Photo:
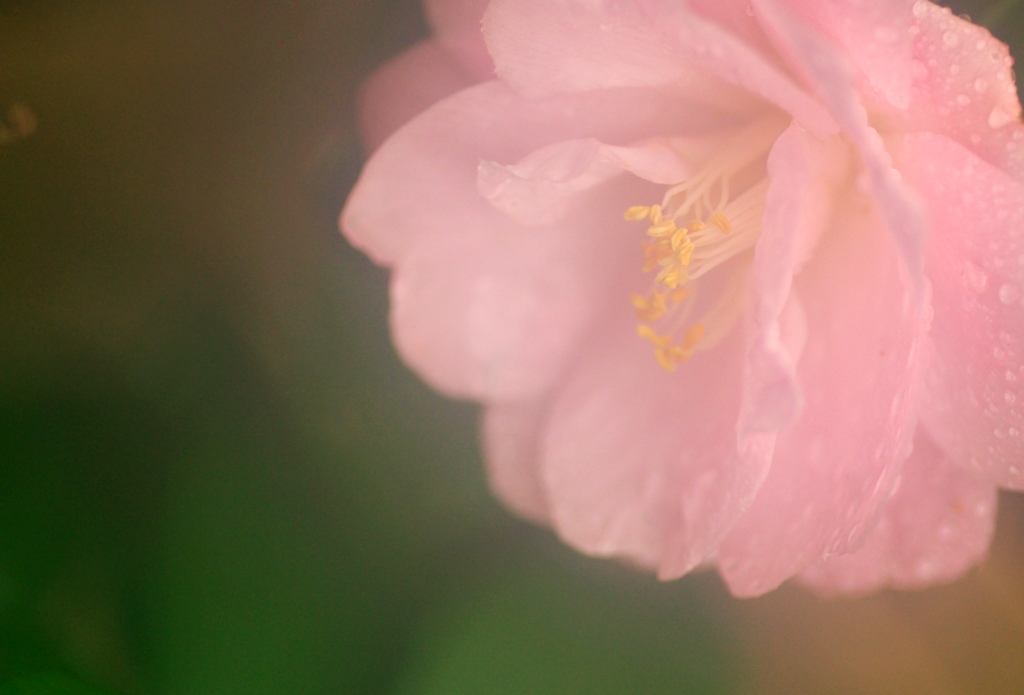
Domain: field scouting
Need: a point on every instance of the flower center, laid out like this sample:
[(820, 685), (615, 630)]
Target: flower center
[(699, 225)]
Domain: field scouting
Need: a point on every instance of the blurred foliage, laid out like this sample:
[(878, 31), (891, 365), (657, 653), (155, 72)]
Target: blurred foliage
[(48, 684), (215, 476)]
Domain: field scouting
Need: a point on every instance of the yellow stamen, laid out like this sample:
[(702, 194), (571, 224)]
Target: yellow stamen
[(670, 356), (649, 309), (680, 236), (722, 220), (654, 254), (637, 212)]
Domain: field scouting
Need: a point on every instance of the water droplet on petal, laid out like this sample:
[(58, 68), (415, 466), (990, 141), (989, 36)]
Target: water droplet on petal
[(1010, 397), (950, 39), (1008, 294), (975, 276), (980, 84), (1000, 117)]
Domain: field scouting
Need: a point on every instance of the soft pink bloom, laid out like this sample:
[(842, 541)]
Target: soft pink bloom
[(808, 361)]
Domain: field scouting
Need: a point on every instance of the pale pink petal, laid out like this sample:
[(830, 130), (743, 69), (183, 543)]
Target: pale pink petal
[(540, 186), (497, 312), (643, 464), (964, 88), (545, 46), (937, 525), (831, 74), (736, 17), (804, 171), (512, 435), (404, 87), (483, 306), (423, 180), (456, 24), (874, 35), (493, 315), (833, 470), (974, 404)]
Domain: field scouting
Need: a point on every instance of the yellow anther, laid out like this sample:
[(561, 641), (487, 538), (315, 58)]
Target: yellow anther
[(694, 335), (680, 294), (671, 276), (721, 221), (665, 359), (651, 308), (647, 333), (664, 229), (637, 212), (654, 254), (669, 356), (683, 255), (680, 236)]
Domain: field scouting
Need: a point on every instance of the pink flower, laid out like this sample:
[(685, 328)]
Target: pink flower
[(737, 282)]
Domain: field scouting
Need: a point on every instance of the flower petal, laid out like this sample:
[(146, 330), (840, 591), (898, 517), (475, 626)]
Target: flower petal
[(537, 188), (937, 525), (545, 46), (830, 73), (485, 307), (836, 466), (643, 464), (492, 315), (456, 24), (803, 170), (974, 405), (404, 87), (512, 435), (423, 180), (964, 88), (874, 35)]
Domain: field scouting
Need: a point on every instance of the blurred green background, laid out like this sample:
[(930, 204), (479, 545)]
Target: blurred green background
[(216, 477)]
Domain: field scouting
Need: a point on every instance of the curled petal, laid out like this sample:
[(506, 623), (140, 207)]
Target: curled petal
[(835, 467), (539, 187), (804, 171), (937, 525)]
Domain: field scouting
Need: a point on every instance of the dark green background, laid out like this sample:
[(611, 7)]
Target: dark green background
[(216, 477)]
